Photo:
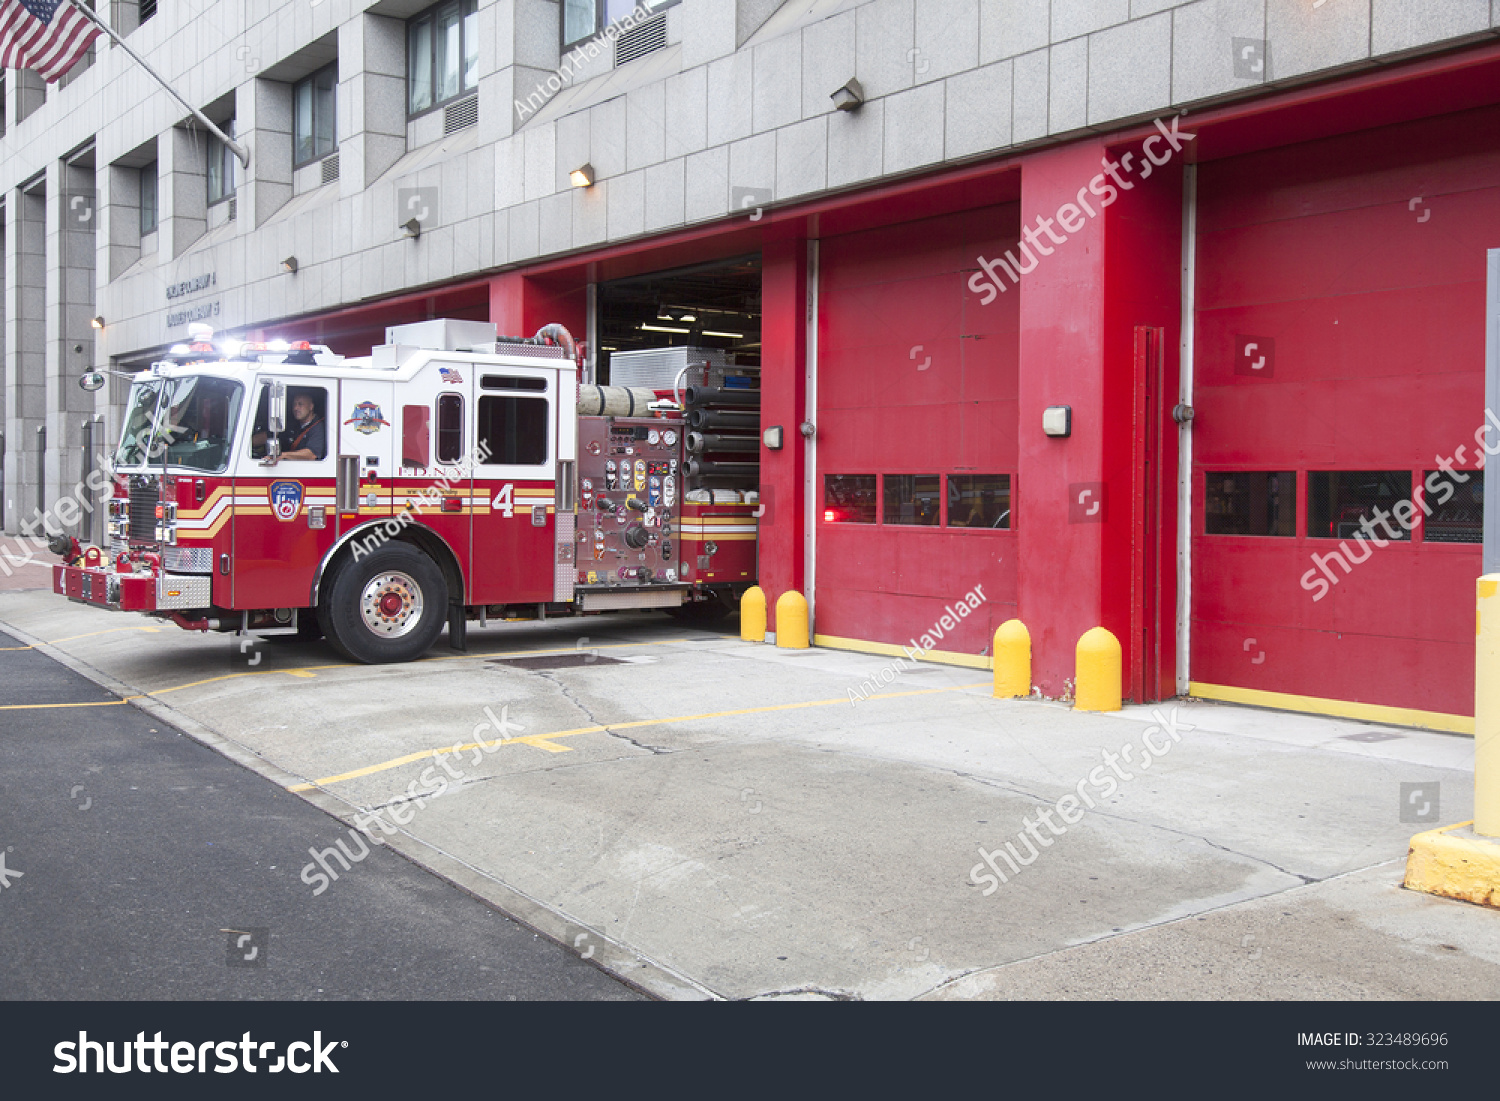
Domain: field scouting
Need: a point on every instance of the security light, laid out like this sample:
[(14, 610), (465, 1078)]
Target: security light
[(412, 228), (582, 177), (289, 264), (97, 322), (850, 96)]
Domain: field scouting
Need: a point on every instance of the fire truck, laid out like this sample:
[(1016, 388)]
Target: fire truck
[(452, 475)]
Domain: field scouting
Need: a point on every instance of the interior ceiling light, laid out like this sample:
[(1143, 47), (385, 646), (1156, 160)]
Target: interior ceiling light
[(664, 329), (729, 336), (687, 317), (583, 176)]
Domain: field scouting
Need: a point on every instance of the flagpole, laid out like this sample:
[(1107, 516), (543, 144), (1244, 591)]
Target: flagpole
[(234, 147)]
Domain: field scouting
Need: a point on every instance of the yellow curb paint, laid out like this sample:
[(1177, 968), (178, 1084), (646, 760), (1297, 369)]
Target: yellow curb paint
[(885, 649), (91, 634), (539, 740), (1465, 868), (1339, 709)]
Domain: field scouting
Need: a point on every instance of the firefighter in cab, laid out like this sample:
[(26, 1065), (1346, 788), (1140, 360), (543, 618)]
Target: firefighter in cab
[(305, 439)]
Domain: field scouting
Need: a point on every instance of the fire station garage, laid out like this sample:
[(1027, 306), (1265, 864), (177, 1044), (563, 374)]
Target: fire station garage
[(1339, 371)]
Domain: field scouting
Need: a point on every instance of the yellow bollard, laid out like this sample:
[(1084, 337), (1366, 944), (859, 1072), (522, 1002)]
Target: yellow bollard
[(791, 620), (1097, 687), (753, 615), (1012, 652), (1487, 709)]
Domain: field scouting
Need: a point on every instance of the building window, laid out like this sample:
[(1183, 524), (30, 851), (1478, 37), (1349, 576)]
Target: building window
[(1250, 503), (149, 185), (1457, 506), (1373, 503), (442, 55), (450, 428), (912, 499), (147, 10), (582, 19), (849, 498), (222, 167), (979, 501), (313, 104)]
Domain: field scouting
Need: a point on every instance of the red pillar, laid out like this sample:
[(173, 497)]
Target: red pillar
[(1062, 363), (521, 304), (784, 403)]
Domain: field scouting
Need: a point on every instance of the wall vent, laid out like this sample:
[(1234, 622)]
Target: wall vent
[(460, 115), (642, 39), (330, 168), (234, 205)]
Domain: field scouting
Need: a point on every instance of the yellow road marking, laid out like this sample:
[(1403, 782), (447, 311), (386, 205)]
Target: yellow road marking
[(91, 634), (540, 741), (48, 706)]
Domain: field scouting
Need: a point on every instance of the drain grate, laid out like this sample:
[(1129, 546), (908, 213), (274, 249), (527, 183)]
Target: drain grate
[(556, 661)]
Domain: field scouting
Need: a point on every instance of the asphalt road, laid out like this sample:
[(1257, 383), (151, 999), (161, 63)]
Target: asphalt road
[(141, 865)]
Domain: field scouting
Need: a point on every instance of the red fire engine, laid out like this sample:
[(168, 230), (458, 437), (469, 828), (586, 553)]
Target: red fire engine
[(451, 475)]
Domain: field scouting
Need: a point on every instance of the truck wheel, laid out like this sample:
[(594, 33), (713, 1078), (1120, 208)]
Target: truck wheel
[(387, 607)]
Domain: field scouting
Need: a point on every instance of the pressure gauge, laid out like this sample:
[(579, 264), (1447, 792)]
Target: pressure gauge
[(594, 447), (653, 437), (588, 483), (669, 437)]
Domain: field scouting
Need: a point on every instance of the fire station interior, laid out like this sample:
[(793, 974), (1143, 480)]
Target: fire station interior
[(713, 305)]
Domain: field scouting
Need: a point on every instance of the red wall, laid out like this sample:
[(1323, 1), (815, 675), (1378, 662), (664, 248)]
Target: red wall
[(1377, 313), (779, 537)]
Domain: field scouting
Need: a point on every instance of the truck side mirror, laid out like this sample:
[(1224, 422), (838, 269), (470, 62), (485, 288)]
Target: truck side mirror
[(276, 418)]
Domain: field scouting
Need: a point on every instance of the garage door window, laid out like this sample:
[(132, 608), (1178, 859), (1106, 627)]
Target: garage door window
[(1253, 502), (913, 499), (1339, 502), (849, 498), (979, 501), (1457, 507)]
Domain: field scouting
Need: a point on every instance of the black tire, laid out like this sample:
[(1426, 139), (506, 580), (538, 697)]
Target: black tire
[(387, 607)]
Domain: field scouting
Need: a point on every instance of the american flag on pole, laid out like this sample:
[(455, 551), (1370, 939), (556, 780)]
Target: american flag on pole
[(47, 36)]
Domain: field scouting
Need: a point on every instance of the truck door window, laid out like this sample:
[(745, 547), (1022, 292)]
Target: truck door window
[(514, 430), (450, 428), (306, 435)]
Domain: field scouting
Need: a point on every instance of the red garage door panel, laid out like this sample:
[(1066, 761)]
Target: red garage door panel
[(915, 377), (1356, 266)]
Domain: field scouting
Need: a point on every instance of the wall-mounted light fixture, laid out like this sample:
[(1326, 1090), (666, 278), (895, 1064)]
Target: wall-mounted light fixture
[(97, 322), (1057, 421), (772, 437), (582, 176), (289, 265), (850, 96), (412, 228)]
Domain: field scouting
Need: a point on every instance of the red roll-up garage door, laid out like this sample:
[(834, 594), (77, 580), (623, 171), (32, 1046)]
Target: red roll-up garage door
[(916, 416), (1339, 369)]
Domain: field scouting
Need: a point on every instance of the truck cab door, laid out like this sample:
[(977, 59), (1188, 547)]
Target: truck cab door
[(515, 527), (283, 513)]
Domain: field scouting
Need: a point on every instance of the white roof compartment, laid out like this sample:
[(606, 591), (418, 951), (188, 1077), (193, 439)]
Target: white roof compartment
[(443, 335)]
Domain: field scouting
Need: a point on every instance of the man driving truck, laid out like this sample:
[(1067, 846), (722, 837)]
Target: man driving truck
[(305, 439)]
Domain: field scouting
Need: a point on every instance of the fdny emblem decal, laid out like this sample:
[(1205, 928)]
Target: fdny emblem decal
[(367, 418), (286, 499), (451, 374)]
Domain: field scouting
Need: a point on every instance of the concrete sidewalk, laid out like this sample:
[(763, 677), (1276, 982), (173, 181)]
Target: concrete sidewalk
[(716, 819)]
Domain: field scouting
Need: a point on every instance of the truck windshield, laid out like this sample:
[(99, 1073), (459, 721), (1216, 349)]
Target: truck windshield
[(180, 422)]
